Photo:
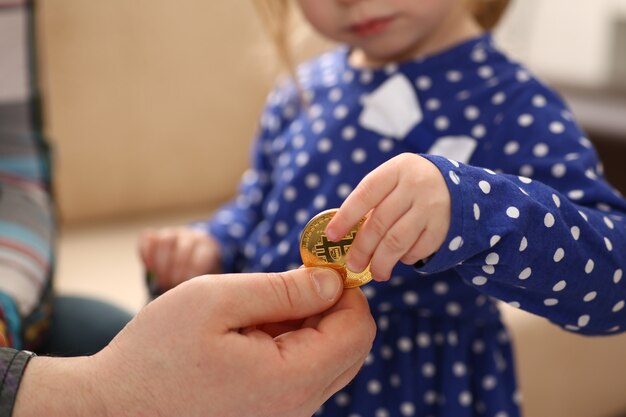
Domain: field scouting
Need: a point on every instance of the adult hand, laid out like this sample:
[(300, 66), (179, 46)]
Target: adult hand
[(407, 204), (198, 351), (175, 254)]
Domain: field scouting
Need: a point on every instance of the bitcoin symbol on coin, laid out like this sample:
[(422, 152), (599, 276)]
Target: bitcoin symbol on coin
[(317, 250)]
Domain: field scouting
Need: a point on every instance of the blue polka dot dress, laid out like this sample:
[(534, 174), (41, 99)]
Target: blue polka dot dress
[(534, 223)]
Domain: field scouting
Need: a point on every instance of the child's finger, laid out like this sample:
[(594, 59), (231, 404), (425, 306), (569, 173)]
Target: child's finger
[(146, 246), (373, 231), (398, 240), (375, 187)]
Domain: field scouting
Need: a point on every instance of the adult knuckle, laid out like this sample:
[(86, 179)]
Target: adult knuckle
[(285, 288), (393, 241)]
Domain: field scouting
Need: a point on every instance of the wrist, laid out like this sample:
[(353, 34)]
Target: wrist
[(59, 387)]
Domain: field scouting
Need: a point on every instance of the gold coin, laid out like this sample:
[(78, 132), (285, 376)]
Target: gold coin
[(317, 250)]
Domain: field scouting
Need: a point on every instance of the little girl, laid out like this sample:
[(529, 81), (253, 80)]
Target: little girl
[(477, 183)]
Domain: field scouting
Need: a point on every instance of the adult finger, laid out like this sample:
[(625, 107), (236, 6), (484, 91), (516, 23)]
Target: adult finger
[(343, 336), (242, 300)]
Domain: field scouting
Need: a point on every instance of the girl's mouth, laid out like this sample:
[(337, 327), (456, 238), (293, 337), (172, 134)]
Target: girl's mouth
[(372, 26)]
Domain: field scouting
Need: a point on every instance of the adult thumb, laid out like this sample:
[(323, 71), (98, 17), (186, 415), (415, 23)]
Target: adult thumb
[(263, 298)]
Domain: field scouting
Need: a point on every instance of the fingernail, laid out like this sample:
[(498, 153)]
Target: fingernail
[(327, 283), (331, 234)]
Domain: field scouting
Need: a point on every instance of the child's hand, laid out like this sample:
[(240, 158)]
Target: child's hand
[(407, 204), (176, 254)]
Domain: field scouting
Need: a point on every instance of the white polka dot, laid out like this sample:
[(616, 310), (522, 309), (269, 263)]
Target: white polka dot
[(342, 399), (489, 382), (485, 187), (479, 281), (463, 95), (334, 167), (394, 380), (559, 286), (485, 71), (525, 274), (558, 170), (340, 112), (335, 94), (479, 55), (459, 369), (525, 120), (498, 98), (324, 145), (454, 177), (549, 220), (383, 323), (559, 254), (512, 212), (492, 259), (583, 215), (374, 387), (290, 193), (511, 147), (472, 113), (514, 304), (405, 344), (523, 244), (453, 309), (433, 104), (366, 77), (410, 298), (557, 200), (359, 156), (618, 307), (344, 190), (428, 370), (540, 150), (319, 202), (557, 128), (479, 131), (526, 170), (525, 180), (539, 101), (576, 194), (549, 302), (455, 243), (589, 266), (476, 212), (608, 243), (423, 340), (583, 320), (312, 180), (318, 126), (575, 232), (348, 133), (442, 123), (302, 159), (522, 76), (454, 76), (465, 398), (423, 83), (617, 276), (440, 288), (489, 269), (430, 397), (407, 409), (609, 223), (590, 296), (385, 145)]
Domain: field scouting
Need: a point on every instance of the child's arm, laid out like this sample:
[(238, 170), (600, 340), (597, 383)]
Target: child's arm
[(552, 244)]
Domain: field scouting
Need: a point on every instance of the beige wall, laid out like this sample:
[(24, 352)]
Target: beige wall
[(151, 104)]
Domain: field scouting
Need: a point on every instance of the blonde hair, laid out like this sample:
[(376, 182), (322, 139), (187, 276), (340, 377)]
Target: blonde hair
[(275, 17)]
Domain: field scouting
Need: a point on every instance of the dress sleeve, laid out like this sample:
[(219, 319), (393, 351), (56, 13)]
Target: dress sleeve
[(534, 222), (232, 224)]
